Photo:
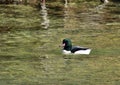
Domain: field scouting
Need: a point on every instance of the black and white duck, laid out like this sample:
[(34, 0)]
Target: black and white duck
[(69, 49)]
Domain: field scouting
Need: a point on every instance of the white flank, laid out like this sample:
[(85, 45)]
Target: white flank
[(66, 52), (86, 52)]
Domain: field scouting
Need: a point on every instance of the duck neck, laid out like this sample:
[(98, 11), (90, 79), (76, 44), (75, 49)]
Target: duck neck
[(67, 44), (68, 48)]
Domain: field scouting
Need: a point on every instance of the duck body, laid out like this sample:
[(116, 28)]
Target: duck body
[(69, 49), (77, 50), (80, 50)]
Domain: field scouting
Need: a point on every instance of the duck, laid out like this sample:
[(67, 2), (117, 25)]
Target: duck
[(67, 48)]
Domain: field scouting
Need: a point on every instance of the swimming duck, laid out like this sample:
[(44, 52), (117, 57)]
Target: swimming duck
[(69, 49)]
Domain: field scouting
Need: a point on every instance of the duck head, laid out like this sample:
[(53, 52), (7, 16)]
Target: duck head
[(67, 44)]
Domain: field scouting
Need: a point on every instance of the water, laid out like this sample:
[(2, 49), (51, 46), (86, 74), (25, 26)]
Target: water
[(32, 56), (88, 25)]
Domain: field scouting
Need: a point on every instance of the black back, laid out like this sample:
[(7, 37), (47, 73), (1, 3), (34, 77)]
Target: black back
[(77, 48)]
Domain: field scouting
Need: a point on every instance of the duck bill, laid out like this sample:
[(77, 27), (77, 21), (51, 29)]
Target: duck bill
[(62, 45)]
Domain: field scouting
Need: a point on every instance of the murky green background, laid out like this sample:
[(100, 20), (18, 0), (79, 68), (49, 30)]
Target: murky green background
[(29, 44)]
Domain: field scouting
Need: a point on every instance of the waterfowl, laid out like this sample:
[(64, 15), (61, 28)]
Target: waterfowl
[(69, 49)]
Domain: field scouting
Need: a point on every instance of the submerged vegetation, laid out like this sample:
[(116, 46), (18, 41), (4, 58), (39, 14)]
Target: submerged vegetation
[(29, 53)]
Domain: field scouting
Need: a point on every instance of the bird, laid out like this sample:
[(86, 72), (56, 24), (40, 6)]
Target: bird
[(69, 49)]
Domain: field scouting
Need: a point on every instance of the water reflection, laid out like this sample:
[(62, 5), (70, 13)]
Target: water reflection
[(65, 13), (70, 19), (101, 6), (44, 13), (66, 3), (84, 17)]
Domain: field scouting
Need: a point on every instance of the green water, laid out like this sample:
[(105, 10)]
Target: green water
[(29, 45)]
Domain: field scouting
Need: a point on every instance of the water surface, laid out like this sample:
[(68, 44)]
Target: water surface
[(30, 54)]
